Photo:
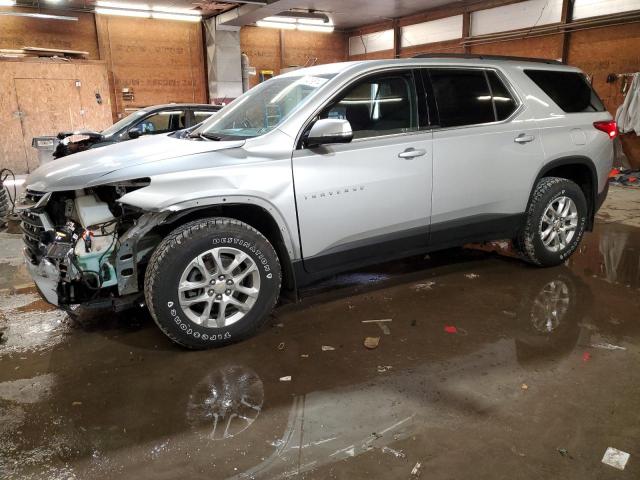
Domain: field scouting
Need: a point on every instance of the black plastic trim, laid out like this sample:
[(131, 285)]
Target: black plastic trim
[(574, 160), (405, 244)]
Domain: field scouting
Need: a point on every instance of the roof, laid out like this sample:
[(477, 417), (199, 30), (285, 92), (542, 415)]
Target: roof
[(182, 105), (359, 66)]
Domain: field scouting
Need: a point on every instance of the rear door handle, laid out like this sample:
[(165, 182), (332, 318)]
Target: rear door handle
[(411, 153), (523, 138)]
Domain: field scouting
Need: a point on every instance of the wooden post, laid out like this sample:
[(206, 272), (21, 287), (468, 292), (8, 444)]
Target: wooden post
[(466, 28), (565, 19), (397, 38)]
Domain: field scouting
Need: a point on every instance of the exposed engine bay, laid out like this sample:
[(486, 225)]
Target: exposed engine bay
[(73, 239)]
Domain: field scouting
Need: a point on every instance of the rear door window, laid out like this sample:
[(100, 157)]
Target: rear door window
[(569, 90), (462, 96)]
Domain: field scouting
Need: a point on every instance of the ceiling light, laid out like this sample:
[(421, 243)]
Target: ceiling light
[(307, 21), (123, 13), (180, 11), (315, 28), (42, 16), (280, 19), (175, 16), (281, 25), (123, 5), (7, 3)]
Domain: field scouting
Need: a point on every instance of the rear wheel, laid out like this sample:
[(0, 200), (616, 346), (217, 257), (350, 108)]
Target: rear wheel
[(212, 282), (555, 223)]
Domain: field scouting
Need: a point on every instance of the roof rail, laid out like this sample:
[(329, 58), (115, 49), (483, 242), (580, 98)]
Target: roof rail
[(487, 57)]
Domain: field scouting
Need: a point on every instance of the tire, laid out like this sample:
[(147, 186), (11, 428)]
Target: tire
[(547, 194), (189, 257)]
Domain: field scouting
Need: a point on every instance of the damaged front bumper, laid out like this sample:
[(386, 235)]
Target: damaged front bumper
[(46, 276)]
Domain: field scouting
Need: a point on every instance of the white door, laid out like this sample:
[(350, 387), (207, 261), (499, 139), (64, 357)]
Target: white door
[(370, 198)]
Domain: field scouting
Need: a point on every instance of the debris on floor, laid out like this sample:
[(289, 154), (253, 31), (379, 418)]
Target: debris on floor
[(395, 453), (327, 348), (304, 355), (586, 356), (524, 386), (450, 329), (384, 368), (416, 469), (423, 286), (281, 346), (565, 453), (285, 379), (607, 346), (471, 276), (625, 177), (371, 342), (382, 324), (615, 458)]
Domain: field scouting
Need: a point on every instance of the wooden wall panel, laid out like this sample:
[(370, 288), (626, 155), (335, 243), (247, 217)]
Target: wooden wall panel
[(18, 32), (92, 75), (451, 46), (537, 47), (161, 61), (266, 52), (602, 51)]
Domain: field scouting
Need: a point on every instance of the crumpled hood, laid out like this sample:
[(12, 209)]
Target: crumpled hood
[(85, 168)]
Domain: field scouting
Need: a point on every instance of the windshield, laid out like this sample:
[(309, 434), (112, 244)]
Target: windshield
[(116, 127), (262, 108)]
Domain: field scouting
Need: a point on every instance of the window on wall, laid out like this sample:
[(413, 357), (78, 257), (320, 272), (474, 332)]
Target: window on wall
[(462, 97), (380, 105), (504, 102), (569, 90)]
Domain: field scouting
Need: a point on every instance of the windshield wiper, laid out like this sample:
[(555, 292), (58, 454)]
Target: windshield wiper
[(206, 136)]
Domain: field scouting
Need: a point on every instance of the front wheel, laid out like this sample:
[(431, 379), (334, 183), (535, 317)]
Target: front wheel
[(555, 223), (211, 282)]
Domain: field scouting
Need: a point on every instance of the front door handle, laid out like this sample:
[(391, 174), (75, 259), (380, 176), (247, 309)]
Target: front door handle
[(524, 138), (411, 153)]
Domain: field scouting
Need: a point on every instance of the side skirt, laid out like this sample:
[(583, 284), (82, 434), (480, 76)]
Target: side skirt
[(443, 235)]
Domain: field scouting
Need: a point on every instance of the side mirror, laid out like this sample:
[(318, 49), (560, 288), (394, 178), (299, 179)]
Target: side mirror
[(329, 130), (134, 132)]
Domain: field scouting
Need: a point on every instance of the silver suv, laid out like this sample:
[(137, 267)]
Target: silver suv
[(317, 171)]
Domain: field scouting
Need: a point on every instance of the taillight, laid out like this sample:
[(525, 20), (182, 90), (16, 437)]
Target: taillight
[(608, 127)]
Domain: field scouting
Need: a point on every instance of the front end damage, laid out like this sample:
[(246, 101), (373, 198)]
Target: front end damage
[(84, 247)]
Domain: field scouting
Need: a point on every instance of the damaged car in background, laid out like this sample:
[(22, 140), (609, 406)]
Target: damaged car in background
[(318, 171), (154, 120)]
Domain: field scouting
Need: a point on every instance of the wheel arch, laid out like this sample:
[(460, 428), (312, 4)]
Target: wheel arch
[(578, 169), (256, 216)]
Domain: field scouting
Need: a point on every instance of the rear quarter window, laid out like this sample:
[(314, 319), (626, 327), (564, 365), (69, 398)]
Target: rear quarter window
[(569, 90)]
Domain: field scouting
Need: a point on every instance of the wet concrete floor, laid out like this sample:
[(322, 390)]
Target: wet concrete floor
[(487, 369)]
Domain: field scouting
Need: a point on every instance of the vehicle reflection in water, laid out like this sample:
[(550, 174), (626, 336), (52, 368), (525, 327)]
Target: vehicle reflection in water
[(225, 402)]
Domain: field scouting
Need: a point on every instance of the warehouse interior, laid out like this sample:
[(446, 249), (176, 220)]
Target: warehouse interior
[(457, 362)]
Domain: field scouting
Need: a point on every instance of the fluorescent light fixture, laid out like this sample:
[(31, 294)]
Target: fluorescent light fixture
[(178, 10), (175, 16), (123, 13), (315, 28), (281, 25), (42, 16), (286, 22), (123, 5), (279, 19), (7, 3)]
